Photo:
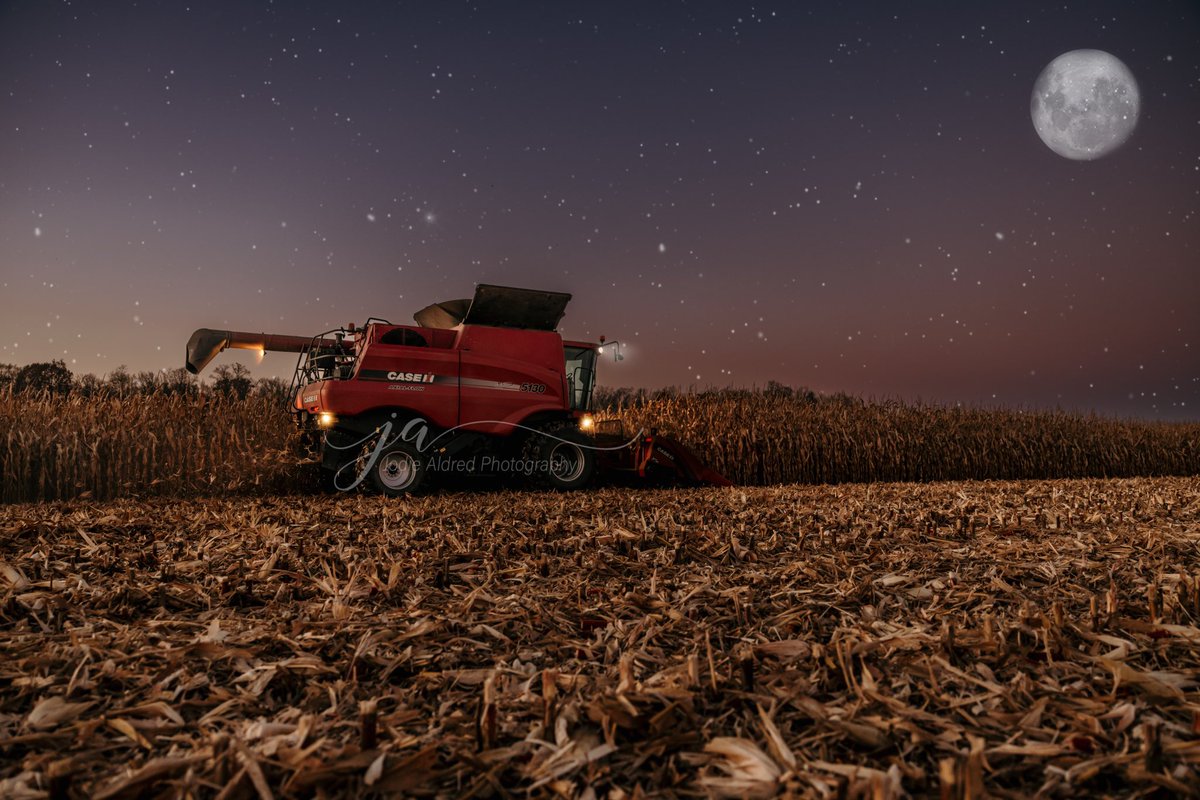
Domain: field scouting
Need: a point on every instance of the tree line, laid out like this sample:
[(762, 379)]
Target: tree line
[(233, 380), (54, 377)]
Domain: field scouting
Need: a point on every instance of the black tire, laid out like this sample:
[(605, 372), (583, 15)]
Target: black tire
[(399, 470), (568, 457)]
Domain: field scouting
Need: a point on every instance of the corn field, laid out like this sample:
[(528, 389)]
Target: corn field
[(104, 446), (62, 446), (756, 438)]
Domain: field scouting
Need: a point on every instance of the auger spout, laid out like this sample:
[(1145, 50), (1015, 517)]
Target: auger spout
[(205, 344)]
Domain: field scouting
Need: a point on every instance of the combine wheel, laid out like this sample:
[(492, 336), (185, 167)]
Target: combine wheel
[(399, 470), (565, 457)]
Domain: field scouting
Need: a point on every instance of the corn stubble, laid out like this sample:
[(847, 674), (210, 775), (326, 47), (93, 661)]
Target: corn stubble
[(945, 640)]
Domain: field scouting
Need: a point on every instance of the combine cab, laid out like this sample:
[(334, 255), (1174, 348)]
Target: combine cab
[(479, 386)]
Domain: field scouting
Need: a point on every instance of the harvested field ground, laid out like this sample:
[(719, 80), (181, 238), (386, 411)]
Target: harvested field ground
[(849, 641)]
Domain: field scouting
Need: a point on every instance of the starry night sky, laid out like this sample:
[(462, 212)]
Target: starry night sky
[(849, 197)]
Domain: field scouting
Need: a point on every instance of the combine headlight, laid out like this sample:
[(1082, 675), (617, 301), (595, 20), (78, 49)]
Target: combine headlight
[(587, 423), (326, 420)]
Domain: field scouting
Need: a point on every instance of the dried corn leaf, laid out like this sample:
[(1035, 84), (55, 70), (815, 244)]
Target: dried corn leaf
[(868, 640), (54, 711)]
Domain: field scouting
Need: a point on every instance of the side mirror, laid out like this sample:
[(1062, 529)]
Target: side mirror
[(615, 345)]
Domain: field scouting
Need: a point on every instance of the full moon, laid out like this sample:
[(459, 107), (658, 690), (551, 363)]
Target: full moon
[(1085, 104)]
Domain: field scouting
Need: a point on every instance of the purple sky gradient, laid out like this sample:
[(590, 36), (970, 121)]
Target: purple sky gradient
[(845, 197)]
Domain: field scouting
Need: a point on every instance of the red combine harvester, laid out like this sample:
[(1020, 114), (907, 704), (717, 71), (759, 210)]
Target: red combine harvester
[(479, 386)]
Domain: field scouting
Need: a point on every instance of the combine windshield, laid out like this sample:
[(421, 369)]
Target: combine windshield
[(581, 375)]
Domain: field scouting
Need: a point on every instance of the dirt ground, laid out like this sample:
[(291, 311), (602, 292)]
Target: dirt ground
[(851, 641)]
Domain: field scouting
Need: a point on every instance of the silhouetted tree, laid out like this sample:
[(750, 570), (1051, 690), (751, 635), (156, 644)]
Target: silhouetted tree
[(178, 381), (88, 385), (782, 391), (8, 374), (147, 382), (120, 381), (46, 376), (275, 389), (777, 389), (232, 380)]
